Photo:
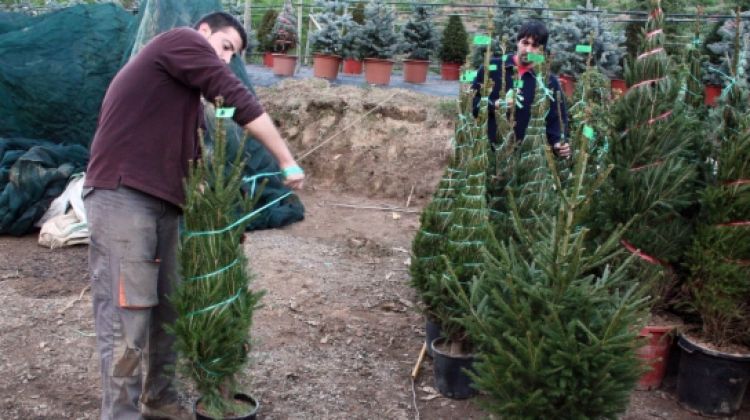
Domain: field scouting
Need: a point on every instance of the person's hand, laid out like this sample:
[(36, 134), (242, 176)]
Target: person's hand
[(294, 176), (562, 149)]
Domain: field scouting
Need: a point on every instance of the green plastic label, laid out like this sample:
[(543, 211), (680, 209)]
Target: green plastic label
[(535, 58), (583, 48), (493, 67), (469, 76), (481, 40), (588, 132), (225, 112), (518, 84)]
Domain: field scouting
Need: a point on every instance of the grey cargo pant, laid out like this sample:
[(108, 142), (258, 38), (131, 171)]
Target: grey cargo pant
[(132, 259)]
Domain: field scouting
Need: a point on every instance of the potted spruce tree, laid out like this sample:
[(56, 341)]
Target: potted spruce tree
[(264, 36), (453, 49), (352, 48), (214, 304), (714, 370), (380, 42), (419, 43), (581, 34), (721, 51), (284, 36), (328, 41)]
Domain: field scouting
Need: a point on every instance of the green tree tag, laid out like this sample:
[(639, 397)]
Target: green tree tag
[(493, 67), (535, 58), (481, 40), (583, 48), (469, 76), (588, 132), (225, 112)]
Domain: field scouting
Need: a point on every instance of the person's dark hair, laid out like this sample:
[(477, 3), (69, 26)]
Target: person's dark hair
[(536, 30), (220, 20)]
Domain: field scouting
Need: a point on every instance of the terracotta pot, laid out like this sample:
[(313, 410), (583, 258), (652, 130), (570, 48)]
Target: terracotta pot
[(711, 92), (654, 354), (450, 71), (352, 66), (568, 85), (326, 66), (618, 85), (415, 71), (283, 65), (268, 59), (378, 71)]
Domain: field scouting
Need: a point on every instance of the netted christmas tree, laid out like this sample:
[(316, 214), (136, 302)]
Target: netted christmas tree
[(554, 339), (379, 37), (454, 46), (653, 149), (333, 21), (420, 40), (214, 303), (569, 36), (719, 260), (694, 59), (284, 32)]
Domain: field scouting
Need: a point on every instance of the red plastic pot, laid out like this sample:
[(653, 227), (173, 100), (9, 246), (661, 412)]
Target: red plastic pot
[(415, 71), (378, 71), (568, 85), (352, 66), (711, 92), (326, 66), (654, 354), (284, 65), (618, 85), (450, 71), (268, 59)]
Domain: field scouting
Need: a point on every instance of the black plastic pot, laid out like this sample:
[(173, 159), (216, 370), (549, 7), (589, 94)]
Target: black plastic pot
[(450, 372), (239, 397), (711, 382), (432, 331)]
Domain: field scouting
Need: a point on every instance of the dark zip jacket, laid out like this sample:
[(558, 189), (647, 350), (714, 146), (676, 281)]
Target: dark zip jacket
[(528, 91)]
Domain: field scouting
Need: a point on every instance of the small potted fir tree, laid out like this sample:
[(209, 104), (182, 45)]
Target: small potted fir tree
[(454, 48), (328, 41), (284, 35), (419, 43), (379, 42), (352, 48), (264, 36), (214, 304)]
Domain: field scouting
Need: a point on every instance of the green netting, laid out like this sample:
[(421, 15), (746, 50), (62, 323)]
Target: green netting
[(54, 71)]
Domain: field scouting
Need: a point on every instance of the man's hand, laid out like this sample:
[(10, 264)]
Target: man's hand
[(293, 175), (562, 149)]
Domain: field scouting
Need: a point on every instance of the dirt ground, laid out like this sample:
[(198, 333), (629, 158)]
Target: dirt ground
[(339, 333)]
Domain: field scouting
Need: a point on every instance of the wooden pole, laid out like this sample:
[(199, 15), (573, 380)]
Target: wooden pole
[(422, 353), (247, 18)]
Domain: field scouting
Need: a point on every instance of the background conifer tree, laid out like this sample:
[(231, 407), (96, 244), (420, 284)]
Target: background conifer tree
[(284, 32), (420, 40), (333, 21), (266, 28), (455, 43), (379, 37)]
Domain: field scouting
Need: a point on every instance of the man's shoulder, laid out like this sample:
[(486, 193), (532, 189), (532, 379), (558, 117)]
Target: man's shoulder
[(181, 34)]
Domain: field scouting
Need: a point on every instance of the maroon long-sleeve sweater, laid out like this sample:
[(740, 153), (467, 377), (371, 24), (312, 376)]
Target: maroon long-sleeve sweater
[(148, 125)]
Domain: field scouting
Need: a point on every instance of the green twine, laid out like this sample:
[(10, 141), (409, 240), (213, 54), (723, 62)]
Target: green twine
[(239, 222), (215, 273), (253, 180), (207, 370), (216, 305)]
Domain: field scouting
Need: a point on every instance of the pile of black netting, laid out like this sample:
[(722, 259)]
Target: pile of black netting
[(54, 71)]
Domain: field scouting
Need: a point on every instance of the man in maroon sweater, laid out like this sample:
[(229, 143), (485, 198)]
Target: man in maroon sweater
[(146, 136)]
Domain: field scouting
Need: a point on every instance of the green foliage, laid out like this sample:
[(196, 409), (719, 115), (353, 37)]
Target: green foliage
[(358, 13), (420, 40), (265, 29), (455, 44), (723, 50), (284, 32), (555, 339), (378, 36), (585, 27), (213, 302), (329, 39)]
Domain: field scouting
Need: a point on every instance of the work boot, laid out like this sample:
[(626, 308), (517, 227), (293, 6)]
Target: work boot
[(171, 411)]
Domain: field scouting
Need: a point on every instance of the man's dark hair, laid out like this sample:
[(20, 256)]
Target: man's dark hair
[(536, 30), (220, 20)]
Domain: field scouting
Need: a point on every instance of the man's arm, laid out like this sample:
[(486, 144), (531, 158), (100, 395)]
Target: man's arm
[(263, 129), (557, 121)]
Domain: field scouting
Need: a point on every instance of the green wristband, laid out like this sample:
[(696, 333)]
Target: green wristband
[(292, 170)]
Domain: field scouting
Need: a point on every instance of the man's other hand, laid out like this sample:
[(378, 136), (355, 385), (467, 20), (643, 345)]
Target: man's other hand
[(562, 150)]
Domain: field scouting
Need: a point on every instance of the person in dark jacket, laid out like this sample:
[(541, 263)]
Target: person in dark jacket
[(531, 39), (146, 136)]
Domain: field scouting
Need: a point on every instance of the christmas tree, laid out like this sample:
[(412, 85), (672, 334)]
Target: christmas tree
[(284, 32), (455, 43), (352, 34), (379, 37), (719, 259), (555, 339), (722, 49), (420, 41), (569, 36), (214, 304), (329, 39), (653, 151), (266, 28)]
